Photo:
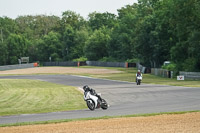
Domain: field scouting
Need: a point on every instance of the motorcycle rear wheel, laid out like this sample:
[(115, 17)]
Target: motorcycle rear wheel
[(104, 104)]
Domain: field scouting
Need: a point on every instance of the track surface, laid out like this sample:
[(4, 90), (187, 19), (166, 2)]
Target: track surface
[(124, 98)]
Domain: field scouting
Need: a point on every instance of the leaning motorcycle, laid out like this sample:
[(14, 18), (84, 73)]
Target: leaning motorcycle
[(138, 80), (95, 101)]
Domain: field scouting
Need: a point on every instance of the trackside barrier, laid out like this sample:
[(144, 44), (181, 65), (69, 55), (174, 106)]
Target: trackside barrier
[(90, 63), (142, 68), (106, 64), (66, 63), (18, 66), (161, 72), (190, 75)]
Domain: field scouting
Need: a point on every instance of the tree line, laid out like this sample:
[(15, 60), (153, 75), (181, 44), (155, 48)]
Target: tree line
[(150, 31)]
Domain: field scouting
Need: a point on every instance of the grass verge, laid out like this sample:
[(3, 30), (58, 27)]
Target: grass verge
[(23, 96), (95, 118)]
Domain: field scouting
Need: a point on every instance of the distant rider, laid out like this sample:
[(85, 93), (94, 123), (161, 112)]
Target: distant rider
[(138, 74)]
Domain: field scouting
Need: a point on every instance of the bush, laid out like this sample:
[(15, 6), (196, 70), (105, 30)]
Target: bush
[(170, 67), (108, 59), (81, 59), (132, 60)]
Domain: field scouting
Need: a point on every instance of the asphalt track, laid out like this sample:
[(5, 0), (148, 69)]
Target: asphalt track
[(124, 98)]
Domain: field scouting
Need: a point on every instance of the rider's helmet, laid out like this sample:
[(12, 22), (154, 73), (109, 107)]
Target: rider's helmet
[(138, 70), (85, 88)]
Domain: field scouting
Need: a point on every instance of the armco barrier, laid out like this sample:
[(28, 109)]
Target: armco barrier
[(90, 63), (106, 64), (190, 75), (66, 63), (18, 66), (142, 68), (161, 72)]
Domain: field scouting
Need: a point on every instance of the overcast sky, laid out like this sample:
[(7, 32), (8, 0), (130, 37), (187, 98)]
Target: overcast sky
[(15, 8)]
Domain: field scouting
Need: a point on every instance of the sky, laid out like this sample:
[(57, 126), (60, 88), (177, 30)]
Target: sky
[(15, 8)]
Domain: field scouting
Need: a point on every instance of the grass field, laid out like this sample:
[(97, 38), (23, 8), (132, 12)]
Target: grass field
[(23, 96)]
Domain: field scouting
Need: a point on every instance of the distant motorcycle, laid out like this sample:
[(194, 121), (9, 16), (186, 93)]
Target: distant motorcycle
[(138, 80), (93, 100)]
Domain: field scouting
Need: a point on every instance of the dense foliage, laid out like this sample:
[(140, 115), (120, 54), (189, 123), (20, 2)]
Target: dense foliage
[(151, 31)]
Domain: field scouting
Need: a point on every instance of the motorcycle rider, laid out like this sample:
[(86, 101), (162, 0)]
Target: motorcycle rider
[(93, 99), (138, 74), (86, 88)]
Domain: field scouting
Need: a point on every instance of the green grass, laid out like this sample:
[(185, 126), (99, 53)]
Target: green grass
[(152, 79), (23, 96)]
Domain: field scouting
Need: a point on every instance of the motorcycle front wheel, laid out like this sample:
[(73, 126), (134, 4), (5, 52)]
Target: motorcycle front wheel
[(91, 104), (138, 82)]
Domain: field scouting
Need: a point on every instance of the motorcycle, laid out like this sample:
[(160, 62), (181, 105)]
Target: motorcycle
[(138, 80), (95, 101)]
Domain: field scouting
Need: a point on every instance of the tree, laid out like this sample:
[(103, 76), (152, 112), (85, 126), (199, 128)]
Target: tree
[(96, 46), (98, 20), (81, 36), (33, 27), (50, 46), (122, 45), (4, 53), (155, 36), (7, 26), (17, 48), (186, 26), (68, 42), (72, 19), (73, 35)]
